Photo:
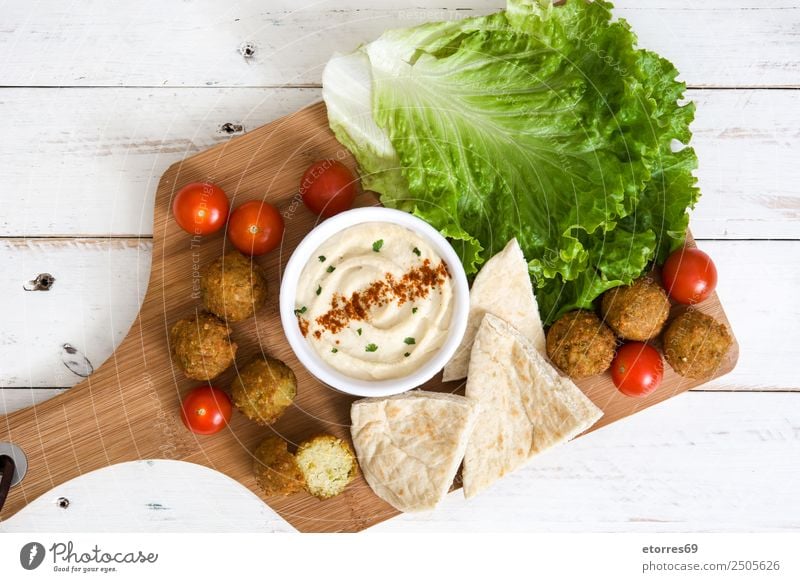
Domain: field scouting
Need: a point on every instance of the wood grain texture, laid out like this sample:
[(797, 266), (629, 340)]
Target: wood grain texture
[(110, 418), (99, 290), (86, 161), (723, 43), (89, 163), (698, 462)]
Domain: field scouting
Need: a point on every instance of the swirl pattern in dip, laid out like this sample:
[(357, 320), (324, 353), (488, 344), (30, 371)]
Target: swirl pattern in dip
[(375, 301)]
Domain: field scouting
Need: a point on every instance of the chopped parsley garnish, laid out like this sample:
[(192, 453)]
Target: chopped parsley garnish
[(416, 251), (371, 348), (334, 350), (358, 331), (410, 341), (301, 311), (376, 246), (406, 354), (321, 258), (331, 269), (414, 309), (319, 289)]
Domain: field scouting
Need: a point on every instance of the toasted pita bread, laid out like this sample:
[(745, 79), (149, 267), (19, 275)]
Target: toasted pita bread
[(502, 288), (409, 446), (525, 406)]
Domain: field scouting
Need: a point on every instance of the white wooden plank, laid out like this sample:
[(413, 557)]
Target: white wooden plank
[(99, 285), (149, 496), (94, 157), (98, 288), (722, 43), (747, 143), (698, 462), (91, 158), (758, 282), (197, 42), (12, 399), (763, 316)]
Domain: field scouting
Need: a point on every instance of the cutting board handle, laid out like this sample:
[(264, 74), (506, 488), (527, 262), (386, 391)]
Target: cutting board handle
[(128, 409), (108, 418)]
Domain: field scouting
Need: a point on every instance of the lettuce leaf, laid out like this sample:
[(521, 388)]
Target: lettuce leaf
[(542, 123)]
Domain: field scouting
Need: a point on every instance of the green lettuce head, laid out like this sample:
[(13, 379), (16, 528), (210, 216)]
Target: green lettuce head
[(541, 122)]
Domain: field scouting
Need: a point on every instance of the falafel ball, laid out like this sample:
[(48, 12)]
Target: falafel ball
[(695, 344), (233, 287), (580, 344), (328, 465), (264, 389), (201, 346), (637, 311), (276, 469)]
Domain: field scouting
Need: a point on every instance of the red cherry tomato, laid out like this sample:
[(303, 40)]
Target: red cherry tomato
[(256, 228), (206, 410), (637, 369), (689, 276), (328, 188), (200, 208)]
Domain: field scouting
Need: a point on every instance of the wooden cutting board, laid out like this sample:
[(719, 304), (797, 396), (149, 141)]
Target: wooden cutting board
[(128, 409)]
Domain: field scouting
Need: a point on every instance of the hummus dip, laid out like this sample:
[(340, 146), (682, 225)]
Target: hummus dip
[(375, 301)]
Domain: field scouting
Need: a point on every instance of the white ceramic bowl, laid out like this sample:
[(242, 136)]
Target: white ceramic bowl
[(306, 354)]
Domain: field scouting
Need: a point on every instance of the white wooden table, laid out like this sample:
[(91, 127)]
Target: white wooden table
[(98, 98)]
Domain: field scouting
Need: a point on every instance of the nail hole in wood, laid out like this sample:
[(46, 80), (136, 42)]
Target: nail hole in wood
[(231, 128), (42, 282), (247, 50), (62, 502), (76, 362)]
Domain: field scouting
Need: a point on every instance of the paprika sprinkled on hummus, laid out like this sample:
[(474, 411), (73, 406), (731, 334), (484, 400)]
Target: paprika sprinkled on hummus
[(360, 314), (413, 285)]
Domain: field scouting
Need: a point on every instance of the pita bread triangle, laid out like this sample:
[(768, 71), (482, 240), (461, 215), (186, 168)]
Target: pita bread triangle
[(409, 446), (502, 288), (525, 405)]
